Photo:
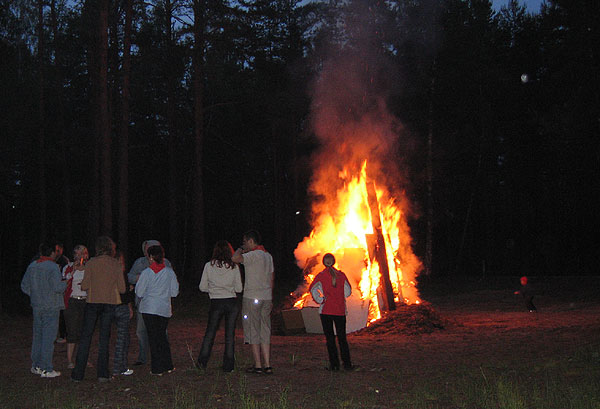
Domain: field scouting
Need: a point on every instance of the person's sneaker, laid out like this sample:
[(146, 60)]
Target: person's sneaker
[(71, 365), (36, 370), (127, 372), (352, 368), (60, 340), (50, 374)]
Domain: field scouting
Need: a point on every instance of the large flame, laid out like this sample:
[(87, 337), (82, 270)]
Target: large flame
[(343, 226)]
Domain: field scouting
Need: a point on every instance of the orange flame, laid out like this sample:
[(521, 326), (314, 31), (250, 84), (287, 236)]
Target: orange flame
[(343, 226)]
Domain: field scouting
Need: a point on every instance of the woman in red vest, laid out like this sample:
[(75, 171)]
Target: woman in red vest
[(330, 288)]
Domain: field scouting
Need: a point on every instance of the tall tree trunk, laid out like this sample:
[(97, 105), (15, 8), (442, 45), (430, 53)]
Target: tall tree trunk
[(104, 121), (124, 135), (60, 124), (197, 243), (90, 14), (172, 146), (429, 232), (41, 127)]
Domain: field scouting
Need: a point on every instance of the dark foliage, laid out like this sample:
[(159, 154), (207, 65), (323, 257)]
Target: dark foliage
[(511, 99)]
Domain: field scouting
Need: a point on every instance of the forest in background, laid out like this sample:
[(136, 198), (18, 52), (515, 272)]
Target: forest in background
[(188, 121)]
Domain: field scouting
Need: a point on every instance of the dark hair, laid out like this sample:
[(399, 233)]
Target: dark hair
[(157, 253), (46, 249), (254, 235), (221, 256), (105, 246), (332, 271)]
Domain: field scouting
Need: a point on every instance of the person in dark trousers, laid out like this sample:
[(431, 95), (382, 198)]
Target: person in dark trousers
[(155, 288), (104, 283), (133, 276), (526, 291), (62, 261), (221, 279), (330, 288), (123, 314)]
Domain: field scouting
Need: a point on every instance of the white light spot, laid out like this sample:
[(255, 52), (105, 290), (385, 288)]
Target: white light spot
[(298, 212), (255, 301), (524, 78), (245, 317)]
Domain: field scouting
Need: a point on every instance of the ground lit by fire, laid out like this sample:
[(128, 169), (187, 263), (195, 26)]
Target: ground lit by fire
[(343, 225)]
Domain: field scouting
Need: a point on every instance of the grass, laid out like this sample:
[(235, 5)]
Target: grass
[(551, 384), (568, 383)]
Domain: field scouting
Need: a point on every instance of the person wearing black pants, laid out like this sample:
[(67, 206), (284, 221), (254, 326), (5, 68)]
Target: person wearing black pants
[(328, 322), (157, 284), (160, 349), (221, 279), (330, 288)]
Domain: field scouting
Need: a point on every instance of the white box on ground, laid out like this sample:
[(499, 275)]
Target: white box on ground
[(358, 312)]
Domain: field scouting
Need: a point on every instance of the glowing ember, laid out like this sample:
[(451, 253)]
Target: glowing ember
[(343, 226)]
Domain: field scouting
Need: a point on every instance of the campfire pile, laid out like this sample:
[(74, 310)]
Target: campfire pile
[(411, 319)]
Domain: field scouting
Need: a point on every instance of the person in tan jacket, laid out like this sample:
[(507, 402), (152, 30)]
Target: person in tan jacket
[(104, 282)]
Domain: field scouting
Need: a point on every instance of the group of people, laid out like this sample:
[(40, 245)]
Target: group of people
[(94, 290)]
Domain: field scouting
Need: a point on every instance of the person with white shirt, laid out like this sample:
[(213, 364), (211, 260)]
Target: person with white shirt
[(221, 279), (257, 299), (75, 297)]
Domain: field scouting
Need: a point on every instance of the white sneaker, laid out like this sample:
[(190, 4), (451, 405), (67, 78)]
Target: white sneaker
[(36, 370), (127, 372), (50, 374)]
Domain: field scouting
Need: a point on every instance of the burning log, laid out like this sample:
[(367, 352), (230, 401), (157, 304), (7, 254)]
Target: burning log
[(386, 291)]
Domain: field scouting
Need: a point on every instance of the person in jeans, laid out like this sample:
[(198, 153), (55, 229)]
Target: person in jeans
[(221, 279), (133, 276), (123, 314), (104, 282), (43, 284), (330, 288), (156, 286)]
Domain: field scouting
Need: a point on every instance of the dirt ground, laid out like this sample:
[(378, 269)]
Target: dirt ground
[(483, 327)]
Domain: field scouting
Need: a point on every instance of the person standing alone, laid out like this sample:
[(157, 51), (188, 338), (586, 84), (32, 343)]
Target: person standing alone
[(330, 288)]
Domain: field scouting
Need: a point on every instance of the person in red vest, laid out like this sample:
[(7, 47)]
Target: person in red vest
[(330, 288)]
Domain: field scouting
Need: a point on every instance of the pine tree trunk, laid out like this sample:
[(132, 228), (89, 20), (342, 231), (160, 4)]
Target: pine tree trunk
[(172, 146), (124, 135), (60, 125), (104, 121), (41, 126), (197, 210), (429, 234)]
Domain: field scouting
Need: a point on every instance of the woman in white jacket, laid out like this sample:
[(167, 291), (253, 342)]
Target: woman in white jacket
[(221, 279)]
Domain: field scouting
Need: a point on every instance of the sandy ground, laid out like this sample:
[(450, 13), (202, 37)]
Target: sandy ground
[(484, 328)]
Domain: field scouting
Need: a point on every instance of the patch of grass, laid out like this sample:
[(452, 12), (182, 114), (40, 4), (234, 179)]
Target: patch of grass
[(551, 384)]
